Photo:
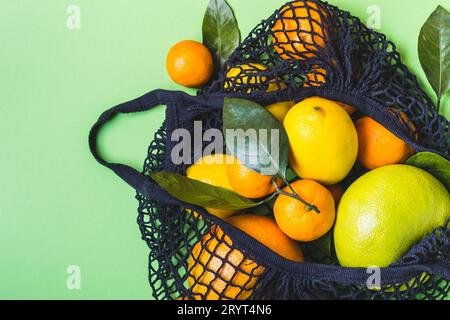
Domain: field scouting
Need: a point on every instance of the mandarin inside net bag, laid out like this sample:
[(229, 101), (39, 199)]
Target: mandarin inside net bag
[(334, 56)]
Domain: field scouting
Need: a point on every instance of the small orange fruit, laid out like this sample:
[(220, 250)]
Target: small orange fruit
[(300, 32), (298, 220), (190, 64), (213, 263), (378, 146), (249, 183), (217, 271), (266, 231)]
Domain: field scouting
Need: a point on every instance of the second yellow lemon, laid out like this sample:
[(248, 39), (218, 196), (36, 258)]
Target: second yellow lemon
[(323, 140), (280, 109), (213, 170)]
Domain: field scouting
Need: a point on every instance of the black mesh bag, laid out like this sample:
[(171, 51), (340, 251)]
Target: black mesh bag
[(306, 48)]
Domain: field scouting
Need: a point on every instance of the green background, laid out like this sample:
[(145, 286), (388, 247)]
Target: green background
[(58, 207)]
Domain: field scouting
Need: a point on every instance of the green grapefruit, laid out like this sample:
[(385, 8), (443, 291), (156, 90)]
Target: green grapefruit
[(385, 212)]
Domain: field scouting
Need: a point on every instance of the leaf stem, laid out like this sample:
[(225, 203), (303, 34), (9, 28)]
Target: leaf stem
[(272, 196), (294, 195), (438, 104)]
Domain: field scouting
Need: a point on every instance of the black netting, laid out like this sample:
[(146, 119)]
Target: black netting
[(333, 52), (191, 257), (306, 48)]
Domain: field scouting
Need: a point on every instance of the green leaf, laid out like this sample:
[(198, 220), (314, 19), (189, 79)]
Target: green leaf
[(434, 51), (323, 245), (199, 193), (266, 154), (322, 249), (434, 164), (220, 30)]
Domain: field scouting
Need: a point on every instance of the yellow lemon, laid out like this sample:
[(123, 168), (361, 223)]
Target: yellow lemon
[(249, 75), (323, 140), (280, 109), (213, 170)]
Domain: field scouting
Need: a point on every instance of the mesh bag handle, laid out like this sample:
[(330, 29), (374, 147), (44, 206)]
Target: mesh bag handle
[(131, 176), (137, 180)]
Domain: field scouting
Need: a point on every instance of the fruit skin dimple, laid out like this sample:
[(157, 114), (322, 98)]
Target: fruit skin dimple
[(385, 212), (323, 143), (190, 64)]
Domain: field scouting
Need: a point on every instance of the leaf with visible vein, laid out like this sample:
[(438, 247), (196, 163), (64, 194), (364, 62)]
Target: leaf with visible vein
[(245, 115), (434, 51), (200, 194), (220, 30)]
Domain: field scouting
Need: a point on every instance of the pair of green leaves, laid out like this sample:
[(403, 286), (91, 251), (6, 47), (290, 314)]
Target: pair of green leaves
[(221, 36), (434, 51), (238, 114)]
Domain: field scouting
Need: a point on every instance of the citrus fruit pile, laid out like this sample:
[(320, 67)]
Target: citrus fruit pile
[(374, 219)]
